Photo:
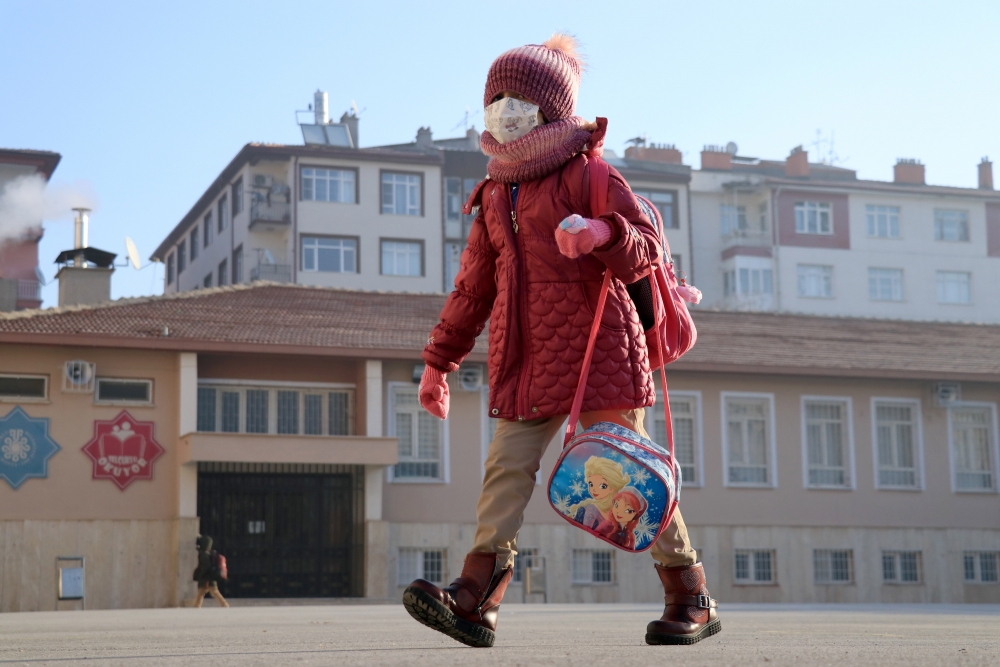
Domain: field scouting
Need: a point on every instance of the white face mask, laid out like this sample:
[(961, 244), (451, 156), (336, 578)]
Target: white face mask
[(508, 119)]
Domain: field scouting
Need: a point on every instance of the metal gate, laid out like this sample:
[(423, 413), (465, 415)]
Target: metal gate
[(286, 530)]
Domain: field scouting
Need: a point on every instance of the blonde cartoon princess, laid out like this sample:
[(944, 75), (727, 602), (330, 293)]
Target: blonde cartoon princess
[(605, 478)]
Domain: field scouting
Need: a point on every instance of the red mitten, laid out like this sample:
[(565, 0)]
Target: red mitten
[(577, 235), (433, 392)]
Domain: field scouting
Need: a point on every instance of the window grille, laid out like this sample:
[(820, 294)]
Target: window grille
[(230, 411), (526, 558), (895, 426), (901, 567), (420, 437), (747, 441), (256, 410), (684, 412), (307, 411), (972, 440), (753, 566), (312, 419), (833, 566), (416, 563), (981, 566), (288, 412), (206, 408), (593, 566), (826, 443)]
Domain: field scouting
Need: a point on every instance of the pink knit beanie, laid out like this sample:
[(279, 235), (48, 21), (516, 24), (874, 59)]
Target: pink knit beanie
[(547, 74)]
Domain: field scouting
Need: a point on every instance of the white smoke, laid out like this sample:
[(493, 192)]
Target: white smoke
[(28, 200)]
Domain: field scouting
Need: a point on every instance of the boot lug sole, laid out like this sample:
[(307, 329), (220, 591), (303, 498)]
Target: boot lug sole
[(658, 639), (428, 611)]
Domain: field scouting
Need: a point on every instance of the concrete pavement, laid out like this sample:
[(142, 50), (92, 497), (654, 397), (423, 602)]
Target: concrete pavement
[(578, 635)]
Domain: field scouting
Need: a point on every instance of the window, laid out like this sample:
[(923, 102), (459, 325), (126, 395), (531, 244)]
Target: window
[(972, 448), (883, 221), (170, 269), (981, 566), (753, 566), (334, 255), (732, 218), (238, 265), (223, 273), (665, 203), (334, 185), (207, 226), (296, 410), (901, 567), (748, 440), (421, 437), (238, 197), (223, 213), (453, 261), (402, 258), (181, 258), (833, 566), (885, 284), (815, 281), (527, 557), (453, 204), (16, 387), (897, 450), (593, 566), (827, 433), (951, 225), (401, 194), (954, 287), (207, 282), (747, 282), (813, 217), (427, 564), (124, 391), (685, 411), (194, 244)]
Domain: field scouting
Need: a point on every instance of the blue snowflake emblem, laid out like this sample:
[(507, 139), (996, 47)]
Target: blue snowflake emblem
[(577, 488), (640, 476), (25, 447)]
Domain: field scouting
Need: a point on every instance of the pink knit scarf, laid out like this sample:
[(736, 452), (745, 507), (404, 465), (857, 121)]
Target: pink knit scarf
[(540, 152)]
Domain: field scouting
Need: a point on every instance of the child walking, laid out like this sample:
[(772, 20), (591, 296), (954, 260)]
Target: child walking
[(533, 267)]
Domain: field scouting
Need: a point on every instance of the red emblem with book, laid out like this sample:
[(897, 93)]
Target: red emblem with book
[(123, 450)]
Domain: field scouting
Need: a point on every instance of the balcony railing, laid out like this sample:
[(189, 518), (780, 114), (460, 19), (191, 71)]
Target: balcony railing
[(746, 237), (270, 215), (29, 290), (278, 273)]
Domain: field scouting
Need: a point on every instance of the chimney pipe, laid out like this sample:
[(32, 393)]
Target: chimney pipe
[(908, 170), (716, 157), (986, 174), (797, 163), (80, 233), (321, 106)]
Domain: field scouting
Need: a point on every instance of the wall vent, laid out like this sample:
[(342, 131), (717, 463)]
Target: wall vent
[(79, 377)]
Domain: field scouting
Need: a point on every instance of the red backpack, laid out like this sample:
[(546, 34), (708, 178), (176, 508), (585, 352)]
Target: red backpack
[(219, 570)]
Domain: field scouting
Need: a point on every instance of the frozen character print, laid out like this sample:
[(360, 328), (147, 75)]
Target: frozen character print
[(627, 509), (604, 478)]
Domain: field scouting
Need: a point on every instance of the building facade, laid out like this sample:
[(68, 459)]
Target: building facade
[(19, 285), (802, 237), (283, 420)]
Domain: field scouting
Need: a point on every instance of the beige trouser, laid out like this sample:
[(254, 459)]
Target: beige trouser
[(210, 589), (511, 465)]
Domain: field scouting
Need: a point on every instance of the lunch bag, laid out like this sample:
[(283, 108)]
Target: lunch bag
[(637, 480)]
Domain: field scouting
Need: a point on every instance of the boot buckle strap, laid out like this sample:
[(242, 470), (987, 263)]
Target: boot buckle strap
[(704, 602)]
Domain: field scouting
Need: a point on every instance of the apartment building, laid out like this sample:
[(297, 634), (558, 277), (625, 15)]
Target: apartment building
[(796, 236), (20, 287), (324, 213), (283, 420)]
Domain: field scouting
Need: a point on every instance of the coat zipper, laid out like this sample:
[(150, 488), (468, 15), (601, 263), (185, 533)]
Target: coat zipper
[(519, 401)]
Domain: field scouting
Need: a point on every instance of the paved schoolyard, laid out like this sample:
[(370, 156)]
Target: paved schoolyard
[(579, 635)]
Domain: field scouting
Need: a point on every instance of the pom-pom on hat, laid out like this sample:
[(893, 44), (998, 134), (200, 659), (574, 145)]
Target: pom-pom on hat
[(547, 74)]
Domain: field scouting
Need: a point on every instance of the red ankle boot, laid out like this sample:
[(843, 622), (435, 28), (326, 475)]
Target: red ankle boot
[(689, 614), (467, 609)]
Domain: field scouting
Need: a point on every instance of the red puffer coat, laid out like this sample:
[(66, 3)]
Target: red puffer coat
[(540, 303)]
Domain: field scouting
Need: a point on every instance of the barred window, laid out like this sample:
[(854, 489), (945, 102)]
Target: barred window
[(286, 411), (747, 440), (981, 566), (833, 566), (527, 557), (827, 443), (417, 563), (593, 566), (901, 567), (421, 438), (753, 566), (972, 441), (684, 414), (896, 441)]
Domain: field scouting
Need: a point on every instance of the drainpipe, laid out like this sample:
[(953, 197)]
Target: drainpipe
[(776, 248), (690, 235), (295, 218)]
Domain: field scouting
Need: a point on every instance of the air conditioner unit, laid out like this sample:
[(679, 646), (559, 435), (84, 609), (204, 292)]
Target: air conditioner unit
[(470, 377), (262, 181), (79, 377), (947, 393)]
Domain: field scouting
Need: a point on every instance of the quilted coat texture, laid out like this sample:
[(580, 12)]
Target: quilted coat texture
[(540, 304)]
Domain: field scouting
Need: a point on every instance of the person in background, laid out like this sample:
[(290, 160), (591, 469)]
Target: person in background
[(204, 573)]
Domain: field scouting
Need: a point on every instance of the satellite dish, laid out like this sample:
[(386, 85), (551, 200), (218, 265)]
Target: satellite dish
[(40, 277), (731, 148), (268, 256), (133, 253)]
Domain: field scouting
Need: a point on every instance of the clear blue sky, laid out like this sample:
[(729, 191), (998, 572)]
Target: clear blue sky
[(148, 101)]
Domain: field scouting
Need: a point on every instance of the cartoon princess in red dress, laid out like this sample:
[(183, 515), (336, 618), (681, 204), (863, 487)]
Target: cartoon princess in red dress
[(628, 507)]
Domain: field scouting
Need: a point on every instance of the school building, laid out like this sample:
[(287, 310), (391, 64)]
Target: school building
[(825, 459)]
